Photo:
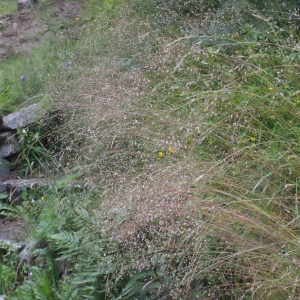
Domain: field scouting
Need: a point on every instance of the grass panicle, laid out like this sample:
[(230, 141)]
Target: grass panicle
[(191, 140)]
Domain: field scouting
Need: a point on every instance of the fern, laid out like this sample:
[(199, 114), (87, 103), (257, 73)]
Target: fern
[(83, 214), (140, 285), (65, 238)]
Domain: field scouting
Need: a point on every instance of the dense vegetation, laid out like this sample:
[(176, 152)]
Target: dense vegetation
[(187, 128)]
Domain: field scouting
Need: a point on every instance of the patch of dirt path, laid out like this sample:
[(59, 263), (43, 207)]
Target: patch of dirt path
[(22, 31)]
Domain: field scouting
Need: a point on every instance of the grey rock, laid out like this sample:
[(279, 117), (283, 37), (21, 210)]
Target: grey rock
[(4, 136), (9, 144), (15, 187), (15, 245), (13, 232), (27, 253), (23, 4), (21, 183), (4, 169), (9, 149), (23, 117)]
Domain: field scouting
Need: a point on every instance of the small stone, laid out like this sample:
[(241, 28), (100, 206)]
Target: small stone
[(15, 188), (23, 117), (9, 145), (9, 149), (24, 4)]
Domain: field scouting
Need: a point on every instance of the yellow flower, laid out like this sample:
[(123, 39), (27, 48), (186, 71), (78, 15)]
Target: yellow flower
[(270, 88), (272, 117), (77, 19), (43, 198), (252, 139), (160, 154), (171, 150), (205, 110)]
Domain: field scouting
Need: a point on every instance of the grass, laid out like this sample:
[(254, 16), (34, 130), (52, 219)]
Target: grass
[(8, 6), (37, 63), (11, 6), (192, 145)]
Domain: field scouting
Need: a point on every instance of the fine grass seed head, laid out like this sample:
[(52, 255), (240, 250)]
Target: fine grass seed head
[(193, 138)]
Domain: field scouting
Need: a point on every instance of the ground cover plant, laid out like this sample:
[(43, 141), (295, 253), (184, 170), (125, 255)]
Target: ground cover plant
[(191, 144)]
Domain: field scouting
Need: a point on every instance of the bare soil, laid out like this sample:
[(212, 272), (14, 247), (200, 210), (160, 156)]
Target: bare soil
[(22, 31)]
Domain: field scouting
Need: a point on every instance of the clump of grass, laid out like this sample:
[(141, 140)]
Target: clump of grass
[(194, 142), (212, 218)]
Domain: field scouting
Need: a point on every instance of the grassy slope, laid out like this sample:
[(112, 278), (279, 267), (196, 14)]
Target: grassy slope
[(195, 148), (47, 39)]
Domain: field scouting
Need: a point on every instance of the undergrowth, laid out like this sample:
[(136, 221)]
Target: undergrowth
[(192, 142)]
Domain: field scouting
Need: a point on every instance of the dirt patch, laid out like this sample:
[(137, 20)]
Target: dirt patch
[(22, 31)]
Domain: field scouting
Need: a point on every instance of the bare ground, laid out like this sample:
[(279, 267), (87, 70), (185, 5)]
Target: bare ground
[(22, 31)]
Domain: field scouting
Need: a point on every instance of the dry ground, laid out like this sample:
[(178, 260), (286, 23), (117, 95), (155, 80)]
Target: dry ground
[(22, 31)]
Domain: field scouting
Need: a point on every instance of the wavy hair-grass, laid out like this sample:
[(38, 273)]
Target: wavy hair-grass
[(212, 217)]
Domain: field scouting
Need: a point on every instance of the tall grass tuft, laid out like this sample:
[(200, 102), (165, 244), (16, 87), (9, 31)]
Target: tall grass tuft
[(193, 139)]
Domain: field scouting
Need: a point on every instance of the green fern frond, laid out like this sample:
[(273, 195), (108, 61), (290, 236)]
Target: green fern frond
[(82, 213), (135, 285), (65, 237)]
